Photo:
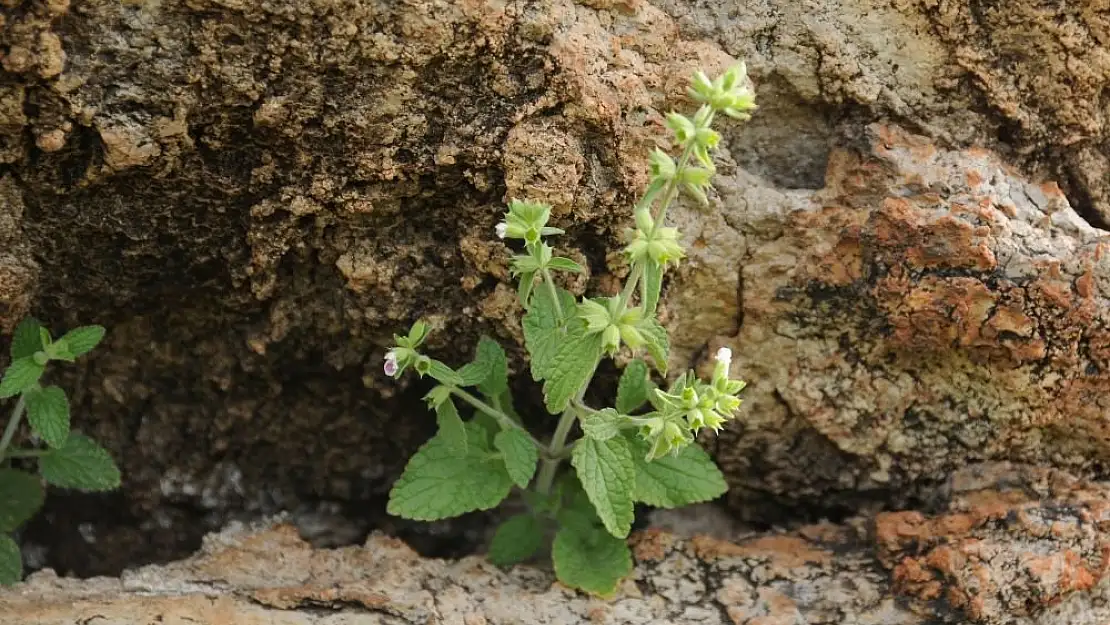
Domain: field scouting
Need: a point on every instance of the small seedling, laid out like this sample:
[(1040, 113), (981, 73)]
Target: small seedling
[(65, 458), (640, 449)]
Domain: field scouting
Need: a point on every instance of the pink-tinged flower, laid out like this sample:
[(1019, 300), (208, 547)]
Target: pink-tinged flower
[(391, 363), (501, 229)]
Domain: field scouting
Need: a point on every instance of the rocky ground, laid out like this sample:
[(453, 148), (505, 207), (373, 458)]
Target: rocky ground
[(904, 251)]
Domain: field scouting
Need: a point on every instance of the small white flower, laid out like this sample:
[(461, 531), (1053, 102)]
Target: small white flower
[(501, 229), (724, 356), (391, 363)]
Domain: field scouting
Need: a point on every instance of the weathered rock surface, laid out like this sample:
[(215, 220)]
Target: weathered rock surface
[(253, 196), (1007, 545)]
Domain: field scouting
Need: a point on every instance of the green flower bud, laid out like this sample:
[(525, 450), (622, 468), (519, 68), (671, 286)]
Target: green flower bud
[(662, 165), (595, 314), (682, 127), (611, 339)]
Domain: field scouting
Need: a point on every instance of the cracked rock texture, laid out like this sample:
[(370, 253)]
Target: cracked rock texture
[(1004, 544), (903, 251)]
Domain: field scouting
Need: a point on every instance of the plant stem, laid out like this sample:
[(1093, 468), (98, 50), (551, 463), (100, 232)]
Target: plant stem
[(13, 425), (553, 292), (505, 420), (668, 197), (555, 451)]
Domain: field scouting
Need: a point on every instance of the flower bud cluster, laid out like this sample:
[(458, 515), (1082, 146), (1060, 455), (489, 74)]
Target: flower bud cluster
[(404, 355), (690, 405), (603, 315)]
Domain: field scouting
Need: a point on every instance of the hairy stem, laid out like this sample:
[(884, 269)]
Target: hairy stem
[(668, 197), (547, 280), (25, 453), (13, 425), (557, 451), (505, 420)]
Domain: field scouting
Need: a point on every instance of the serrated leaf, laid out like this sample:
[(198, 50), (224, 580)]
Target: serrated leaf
[(82, 340), (634, 387), (498, 380), (565, 264), (452, 430), (443, 374), (21, 496), (601, 425), (592, 561), (516, 540), (520, 455), (490, 369), (608, 476), (542, 329), (674, 481), (571, 367), (48, 414), (11, 561), (437, 484), (80, 464), (658, 344), (652, 285), (26, 340), (21, 375)]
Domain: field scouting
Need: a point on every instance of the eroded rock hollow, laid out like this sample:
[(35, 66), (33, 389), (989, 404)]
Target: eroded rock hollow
[(904, 249)]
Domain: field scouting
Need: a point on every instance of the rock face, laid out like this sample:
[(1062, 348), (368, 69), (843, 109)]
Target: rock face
[(1008, 545), (254, 196)]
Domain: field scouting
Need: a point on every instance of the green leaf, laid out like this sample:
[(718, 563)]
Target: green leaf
[(571, 367), (602, 425), (21, 375), (516, 540), (674, 481), (652, 285), (11, 561), (26, 340), (520, 455), (490, 369), (452, 430), (21, 496), (633, 388), (48, 414), (443, 373), (608, 476), (565, 264), (658, 345), (524, 289), (80, 464), (81, 340), (592, 561), (437, 484), (542, 329)]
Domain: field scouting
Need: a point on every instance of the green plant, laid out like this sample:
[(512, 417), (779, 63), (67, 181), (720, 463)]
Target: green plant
[(66, 459), (642, 449)]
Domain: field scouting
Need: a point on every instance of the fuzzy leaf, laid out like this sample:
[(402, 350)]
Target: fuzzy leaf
[(26, 339), (634, 387), (542, 329), (21, 496), (11, 561), (674, 481), (493, 355), (658, 345), (565, 264), (48, 414), (602, 424), (80, 464), (571, 367), (590, 560), (452, 430), (516, 540), (608, 476), (520, 455), (524, 288), (21, 375), (437, 484), (652, 285), (80, 341), (443, 373)]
